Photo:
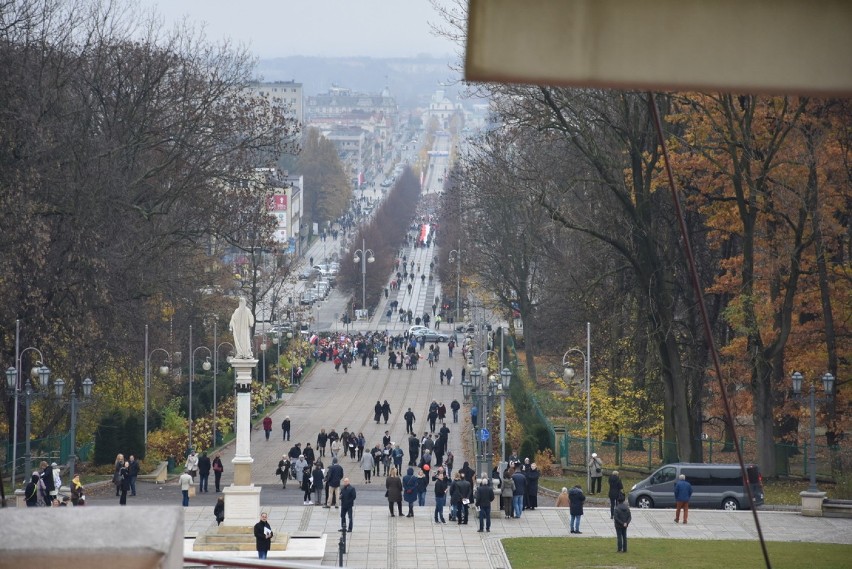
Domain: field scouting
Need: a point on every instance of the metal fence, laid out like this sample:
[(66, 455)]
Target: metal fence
[(645, 454), (56, 448)]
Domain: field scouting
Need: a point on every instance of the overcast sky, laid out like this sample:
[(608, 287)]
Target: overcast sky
[(279, 28)]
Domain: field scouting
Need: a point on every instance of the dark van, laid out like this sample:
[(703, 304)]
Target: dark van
[(713, 486)]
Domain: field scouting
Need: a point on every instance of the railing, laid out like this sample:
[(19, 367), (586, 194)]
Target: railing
[(646, 454), (216, 561)]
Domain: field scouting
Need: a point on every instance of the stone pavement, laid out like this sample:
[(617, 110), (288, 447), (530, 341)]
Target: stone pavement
[(379, 541)]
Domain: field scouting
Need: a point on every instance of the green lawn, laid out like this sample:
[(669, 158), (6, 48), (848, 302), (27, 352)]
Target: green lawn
[(565, 553)]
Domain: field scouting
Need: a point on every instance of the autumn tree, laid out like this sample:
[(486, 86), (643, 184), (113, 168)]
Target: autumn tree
[(327, 190)]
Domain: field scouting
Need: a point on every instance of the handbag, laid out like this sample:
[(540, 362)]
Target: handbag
[(278, 471)]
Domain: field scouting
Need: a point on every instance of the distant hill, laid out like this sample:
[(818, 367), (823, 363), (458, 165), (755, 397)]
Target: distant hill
[(411, 80)]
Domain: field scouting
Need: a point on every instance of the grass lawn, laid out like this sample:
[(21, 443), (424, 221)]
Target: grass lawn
[(565, 553)]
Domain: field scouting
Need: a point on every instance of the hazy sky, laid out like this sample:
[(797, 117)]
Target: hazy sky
[(278, 28)]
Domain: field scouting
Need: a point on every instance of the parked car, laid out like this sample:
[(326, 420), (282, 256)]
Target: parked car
[(308, 297), (430, 335), (713, 486), (305, 274)]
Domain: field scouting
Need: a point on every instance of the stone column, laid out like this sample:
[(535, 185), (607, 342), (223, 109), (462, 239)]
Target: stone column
[(242, 498)]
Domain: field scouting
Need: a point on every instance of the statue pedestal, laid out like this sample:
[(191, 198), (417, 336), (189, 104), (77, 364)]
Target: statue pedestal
[(812, 503), (242, 498)]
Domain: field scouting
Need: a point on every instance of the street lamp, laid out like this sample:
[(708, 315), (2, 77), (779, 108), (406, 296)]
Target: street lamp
[(13, 382), (364, 256), (59, 387), (205, 366), (505, 380), (569, 375), (263, 347), (164, 370), (828, 386), (455, 255), (218, 346)]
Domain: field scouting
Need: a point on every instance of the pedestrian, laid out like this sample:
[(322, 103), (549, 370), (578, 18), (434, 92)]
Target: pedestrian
[(185, 482), (306, 484), (377, 412), (455, 406), (422, 484), (347, 503), (285, 428), (519, 492), (506, 491), (576, 499), (322, 440), (409, 421), (562, 499), (393, 491), (474, 414), (78, 493), (484, 497), (191, 464), (622, 519), (682, 494), (134, 472), (317, 482), (334, 477), (31, 491), (386, 411), (367, 465), (533, 474), (442, 377), (116, 478), (124, 474), (596, 473), (409, 488), (616, 489), (461, 498), (440, 496), (219, 510), (263, 536), (217, 471), (283, 470), (267, 426), (203, 471)]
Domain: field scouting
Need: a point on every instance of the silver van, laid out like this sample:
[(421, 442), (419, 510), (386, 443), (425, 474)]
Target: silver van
[(713, 486)]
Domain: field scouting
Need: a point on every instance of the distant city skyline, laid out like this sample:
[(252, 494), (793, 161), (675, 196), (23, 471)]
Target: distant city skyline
[(324, 28)]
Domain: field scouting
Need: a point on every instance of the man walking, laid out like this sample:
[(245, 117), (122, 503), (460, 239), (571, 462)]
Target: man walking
[(203, 471), (334, 477), (682, 493), (455, 406), (347, 502), (484, 497), (285, 427), (409, 421)]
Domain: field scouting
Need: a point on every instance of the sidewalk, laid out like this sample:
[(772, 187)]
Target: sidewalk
[(379, 541)]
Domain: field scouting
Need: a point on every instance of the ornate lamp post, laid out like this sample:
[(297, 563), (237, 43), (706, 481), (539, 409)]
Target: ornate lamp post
[(505, 380), (205, 366), (828, 386), (455, 255), (59, 387), (163, 369), (218, 346), (364, 256), (569, 375), (13, 382)]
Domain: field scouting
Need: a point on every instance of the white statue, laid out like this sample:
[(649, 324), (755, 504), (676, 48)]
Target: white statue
[(241, 322)]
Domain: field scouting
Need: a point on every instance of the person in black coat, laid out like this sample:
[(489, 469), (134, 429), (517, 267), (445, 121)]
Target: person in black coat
[(124, 475), (386, 411), (533, 474), (285, 428), (219, 510), (204, 466), (377, 412), (484, 497), (347, 503), (263, 536), (31, 491), (576, 499), (413, 449), (616, 489)]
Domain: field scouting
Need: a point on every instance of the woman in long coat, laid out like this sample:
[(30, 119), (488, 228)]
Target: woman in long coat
[(409, 487), (532, 475), (393, 485), (377, 412)]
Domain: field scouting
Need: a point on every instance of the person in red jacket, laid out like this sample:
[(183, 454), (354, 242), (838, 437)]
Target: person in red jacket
[(267, 426)]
